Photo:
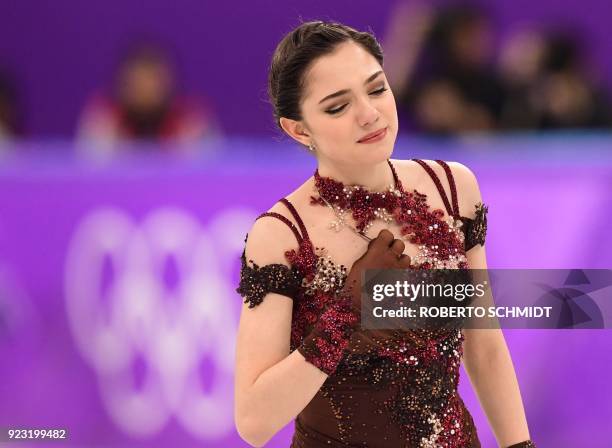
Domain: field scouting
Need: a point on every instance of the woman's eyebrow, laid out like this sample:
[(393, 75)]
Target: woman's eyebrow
[(343, 91)]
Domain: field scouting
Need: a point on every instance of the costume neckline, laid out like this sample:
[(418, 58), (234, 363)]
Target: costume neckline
[(397, 184), (364, 205)]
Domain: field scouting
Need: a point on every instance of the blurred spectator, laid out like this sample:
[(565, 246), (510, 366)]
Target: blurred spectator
[(521, 66), (548, 84), (10, 119), (570, 99), (452, 85), (443, 71), (144, 104)]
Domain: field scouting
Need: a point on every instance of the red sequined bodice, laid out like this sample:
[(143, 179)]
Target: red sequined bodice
[(398, 389)]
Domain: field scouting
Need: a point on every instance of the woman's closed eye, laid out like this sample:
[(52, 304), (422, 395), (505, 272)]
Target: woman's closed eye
[(337, 110)]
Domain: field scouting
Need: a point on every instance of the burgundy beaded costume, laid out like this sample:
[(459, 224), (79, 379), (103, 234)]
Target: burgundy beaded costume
[(400, 391)]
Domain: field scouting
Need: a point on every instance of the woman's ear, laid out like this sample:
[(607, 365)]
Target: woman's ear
[(296, 130)]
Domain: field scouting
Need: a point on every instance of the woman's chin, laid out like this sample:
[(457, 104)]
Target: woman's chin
[(373, 154)]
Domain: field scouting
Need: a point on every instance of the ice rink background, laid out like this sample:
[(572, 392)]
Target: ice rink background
[(117, 303)]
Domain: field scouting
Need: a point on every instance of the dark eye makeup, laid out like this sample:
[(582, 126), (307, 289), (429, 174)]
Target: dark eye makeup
[(341, 108)]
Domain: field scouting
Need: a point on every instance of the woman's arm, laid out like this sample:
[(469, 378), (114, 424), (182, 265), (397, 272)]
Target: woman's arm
[(486, 357), (271, 385), (491, 372), (269, 394)]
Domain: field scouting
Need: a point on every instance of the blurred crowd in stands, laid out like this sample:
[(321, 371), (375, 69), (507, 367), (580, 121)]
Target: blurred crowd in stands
[(145, 103), (142, 103), (450, 78), (448, 74)]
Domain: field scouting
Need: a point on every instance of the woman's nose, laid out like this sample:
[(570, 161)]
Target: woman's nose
[(367, 114)]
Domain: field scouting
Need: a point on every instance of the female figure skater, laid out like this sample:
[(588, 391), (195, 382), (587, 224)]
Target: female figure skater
[(301, 353)]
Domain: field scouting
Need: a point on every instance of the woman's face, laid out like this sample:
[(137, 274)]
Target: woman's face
[(346, 97)]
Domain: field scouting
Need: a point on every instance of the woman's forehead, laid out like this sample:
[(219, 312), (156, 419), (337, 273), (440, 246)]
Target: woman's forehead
[(347, 67)]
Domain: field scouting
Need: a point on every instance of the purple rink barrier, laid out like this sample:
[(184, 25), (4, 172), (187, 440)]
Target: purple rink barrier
[(117, 305)]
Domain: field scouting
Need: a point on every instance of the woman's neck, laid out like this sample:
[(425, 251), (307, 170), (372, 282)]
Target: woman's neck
[(374, 178)]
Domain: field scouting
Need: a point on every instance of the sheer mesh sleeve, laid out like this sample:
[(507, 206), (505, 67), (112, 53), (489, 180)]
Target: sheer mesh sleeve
[(475, 229), (257, 281)]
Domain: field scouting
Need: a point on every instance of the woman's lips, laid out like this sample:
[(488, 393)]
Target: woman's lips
[(376, 137)]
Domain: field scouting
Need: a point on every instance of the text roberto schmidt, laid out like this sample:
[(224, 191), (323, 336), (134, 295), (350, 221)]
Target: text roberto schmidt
[(458, 292)]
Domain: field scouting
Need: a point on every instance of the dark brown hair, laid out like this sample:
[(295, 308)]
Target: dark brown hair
[(295, 54)]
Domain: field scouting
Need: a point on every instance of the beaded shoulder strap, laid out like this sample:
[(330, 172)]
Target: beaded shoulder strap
[(451, 210), (453, 187), (300, 234), (297, 217), (284, 219), (396, 180)]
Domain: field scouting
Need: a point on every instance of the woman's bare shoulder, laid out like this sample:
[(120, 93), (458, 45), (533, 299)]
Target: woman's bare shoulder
[(414, 176), (468, 189), (409, 172), (269, 236)]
